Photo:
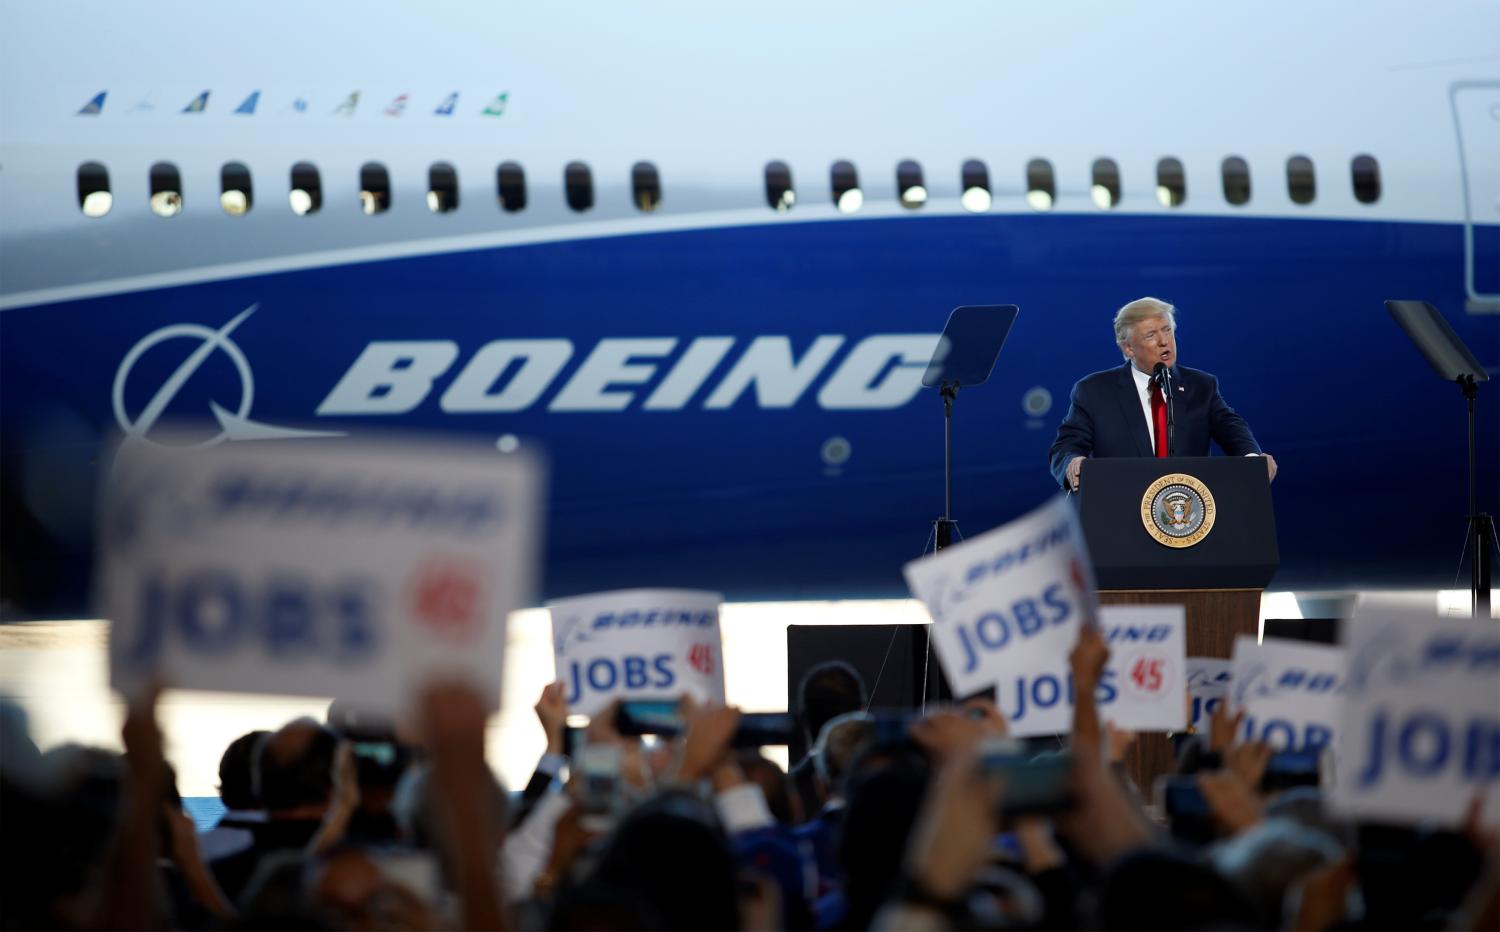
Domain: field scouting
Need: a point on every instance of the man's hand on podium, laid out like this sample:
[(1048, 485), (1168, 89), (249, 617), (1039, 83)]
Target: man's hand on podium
[(1270, 464), (1075, 465)]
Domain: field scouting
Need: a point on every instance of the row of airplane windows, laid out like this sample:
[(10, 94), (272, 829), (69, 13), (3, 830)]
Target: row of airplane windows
[(306, 192)]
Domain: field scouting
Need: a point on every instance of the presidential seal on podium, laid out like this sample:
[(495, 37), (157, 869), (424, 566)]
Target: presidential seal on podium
[(1177, 510)]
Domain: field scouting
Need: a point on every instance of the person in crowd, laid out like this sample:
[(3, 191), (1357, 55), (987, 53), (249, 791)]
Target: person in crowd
[(842, 739), (242, 810), (294, 771), (828, 690), (380, 758), (552, 713)]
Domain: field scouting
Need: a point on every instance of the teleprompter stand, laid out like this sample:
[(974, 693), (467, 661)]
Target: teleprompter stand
[(965, 355), (1453, 362)]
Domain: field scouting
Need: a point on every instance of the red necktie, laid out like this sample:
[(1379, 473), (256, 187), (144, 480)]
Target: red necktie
[(1159, 417)]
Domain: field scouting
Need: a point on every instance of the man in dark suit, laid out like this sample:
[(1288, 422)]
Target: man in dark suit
[(1122, 412)]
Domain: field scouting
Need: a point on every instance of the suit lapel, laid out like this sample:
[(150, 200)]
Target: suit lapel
[(1130, 408)]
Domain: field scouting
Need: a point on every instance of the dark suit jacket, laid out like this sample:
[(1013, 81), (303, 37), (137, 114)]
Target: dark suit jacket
[(1105, 419)]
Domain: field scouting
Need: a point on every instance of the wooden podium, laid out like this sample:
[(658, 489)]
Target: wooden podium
[(1199, 532)]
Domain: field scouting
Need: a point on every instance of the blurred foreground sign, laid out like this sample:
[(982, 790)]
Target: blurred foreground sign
[(1291, 692), (1143, 685), (637, 644), (352, 570), (1420, 735), (1005, 607)]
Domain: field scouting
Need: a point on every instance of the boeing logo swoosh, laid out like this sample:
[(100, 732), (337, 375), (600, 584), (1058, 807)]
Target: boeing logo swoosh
[(236, 425)]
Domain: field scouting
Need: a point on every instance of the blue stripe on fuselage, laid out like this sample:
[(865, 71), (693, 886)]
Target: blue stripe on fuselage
[(1287, 313)]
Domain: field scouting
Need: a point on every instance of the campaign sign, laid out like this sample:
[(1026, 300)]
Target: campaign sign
[(637, 644), (1142, 685), (1208, 687), (1005, 607), (1291, 692), (323, 568), (1420, 733)]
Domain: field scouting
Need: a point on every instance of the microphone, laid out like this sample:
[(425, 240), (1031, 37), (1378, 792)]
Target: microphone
[(1162, 376)]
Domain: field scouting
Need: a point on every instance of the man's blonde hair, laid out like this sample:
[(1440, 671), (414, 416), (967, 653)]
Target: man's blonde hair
[(1138, 310)]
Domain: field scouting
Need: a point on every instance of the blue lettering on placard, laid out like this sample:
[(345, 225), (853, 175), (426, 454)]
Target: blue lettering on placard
[(1045, 691), (1203, 710), (655, 618), (992, 630), (631, 672), (1284, 735), (1308, 680), (1129, 634), (1011, 559), (339, 500), (1424, 746), (213, 612)]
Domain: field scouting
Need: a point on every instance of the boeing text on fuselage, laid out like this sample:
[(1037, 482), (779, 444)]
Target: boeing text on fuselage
[(394, 377)]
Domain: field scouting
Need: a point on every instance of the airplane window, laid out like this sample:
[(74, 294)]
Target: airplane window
[(1106, 187), (307, 190), (1041, 188), (442, 188), (1171, 183), (1366, 179), (1236, 180), (375, 189), (1300, 182), (166, 190), (909, 185), (975, 180), (779, 192), (578, 181), (645, 185), (846, 194), (94, 197), (235, 194), (510, 181)]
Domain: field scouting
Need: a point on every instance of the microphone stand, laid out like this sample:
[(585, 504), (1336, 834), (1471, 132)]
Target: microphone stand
[(943, 527), (1162, 376)]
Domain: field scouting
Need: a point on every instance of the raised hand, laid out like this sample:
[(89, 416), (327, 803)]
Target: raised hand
[(705, 745), (1234, 805), (552, 712), (1247, 760), (951, 839), (1223, 727)]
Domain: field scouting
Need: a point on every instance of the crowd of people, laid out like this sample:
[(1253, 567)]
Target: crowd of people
[(930, 821)]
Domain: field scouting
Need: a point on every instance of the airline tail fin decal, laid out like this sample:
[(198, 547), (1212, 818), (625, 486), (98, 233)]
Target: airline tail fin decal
[(497, 106)]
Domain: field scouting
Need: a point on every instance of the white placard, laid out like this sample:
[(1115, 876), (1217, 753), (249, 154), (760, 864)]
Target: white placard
[(1208, 687), (1420, 733), (355, 570), (1291, 691), (1143, 684), (1006, 606), (637, 643)]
